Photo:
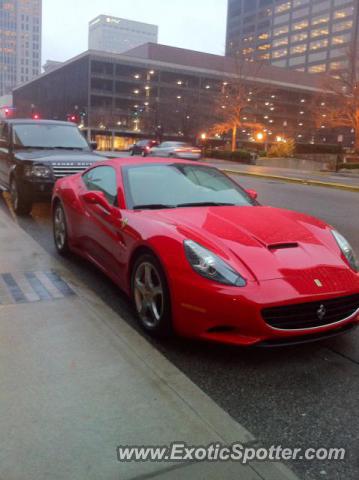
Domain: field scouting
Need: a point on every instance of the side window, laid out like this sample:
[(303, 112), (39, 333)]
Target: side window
[(102, 179)]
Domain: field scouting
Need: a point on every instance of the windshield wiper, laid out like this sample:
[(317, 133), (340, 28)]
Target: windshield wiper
[(37, 147), (206, 204), (30, 147), (153, 206)]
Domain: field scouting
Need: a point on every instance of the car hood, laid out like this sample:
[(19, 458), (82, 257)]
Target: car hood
[(265, 242), (53, 156)]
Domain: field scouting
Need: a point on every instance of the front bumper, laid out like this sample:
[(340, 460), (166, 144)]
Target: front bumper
[(38, 189), (234, 315)]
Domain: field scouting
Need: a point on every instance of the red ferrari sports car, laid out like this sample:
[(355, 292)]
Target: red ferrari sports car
[(199, 255)]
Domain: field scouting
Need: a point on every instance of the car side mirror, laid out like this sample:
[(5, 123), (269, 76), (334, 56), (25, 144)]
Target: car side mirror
[(253, 194), (93, 145), (99, 198)]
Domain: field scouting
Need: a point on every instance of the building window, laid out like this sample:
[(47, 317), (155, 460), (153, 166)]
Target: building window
[(317, 68), (319, 32), (317, 7), (300, 3), (318, 44), (300, 25), (281, 19), (298, 49), (303, 12), (299, 37), (283, 7), (338, 65), (315, 57), (281, 30), (282, 52), (340, 39), (280, 63), (345, 12), (297, 60), (279, 42), (339, 27)]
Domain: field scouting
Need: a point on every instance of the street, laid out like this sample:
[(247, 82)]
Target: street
[(299, 396)]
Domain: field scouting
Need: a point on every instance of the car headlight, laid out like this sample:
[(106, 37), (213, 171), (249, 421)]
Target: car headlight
[(210, 266), (37, 171), (347, 250)]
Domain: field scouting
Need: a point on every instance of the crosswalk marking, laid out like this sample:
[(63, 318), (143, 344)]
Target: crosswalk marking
[(5, 297), (26, 288), (52, 289), (29, 287)]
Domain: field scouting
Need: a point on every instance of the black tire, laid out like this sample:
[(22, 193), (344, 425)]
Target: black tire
[(22, 203), (161, 327), (144, 154), (61, 239), (132, 153)]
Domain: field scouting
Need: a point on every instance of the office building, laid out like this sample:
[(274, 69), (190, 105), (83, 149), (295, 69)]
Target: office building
[(117, 35), (306, 35), (20, 42), (157, 90)]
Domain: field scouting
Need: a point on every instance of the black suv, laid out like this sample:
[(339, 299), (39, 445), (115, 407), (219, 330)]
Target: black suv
[(143, 147), (35, 153)]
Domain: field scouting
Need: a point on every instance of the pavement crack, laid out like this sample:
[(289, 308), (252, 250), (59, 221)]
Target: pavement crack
[(356, 362)]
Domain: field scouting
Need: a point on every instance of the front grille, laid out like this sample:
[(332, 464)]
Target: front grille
[(65, 170), (312, 314)]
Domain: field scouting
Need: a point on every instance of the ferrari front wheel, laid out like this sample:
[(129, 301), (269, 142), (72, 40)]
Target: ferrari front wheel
[(150, 295)]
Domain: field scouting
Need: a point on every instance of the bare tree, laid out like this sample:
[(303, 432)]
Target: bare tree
[(338, 105), (234, 106)]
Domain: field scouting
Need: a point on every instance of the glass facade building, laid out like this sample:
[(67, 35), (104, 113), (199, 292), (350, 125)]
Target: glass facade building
[(117, 35), (20, 42), (312, 36), (157, 90)]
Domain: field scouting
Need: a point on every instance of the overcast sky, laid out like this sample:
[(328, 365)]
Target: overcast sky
[(195, 24)]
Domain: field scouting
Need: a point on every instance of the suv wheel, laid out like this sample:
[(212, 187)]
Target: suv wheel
[(21, 203)]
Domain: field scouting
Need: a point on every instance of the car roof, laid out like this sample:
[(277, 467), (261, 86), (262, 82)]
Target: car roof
[(23, 121)]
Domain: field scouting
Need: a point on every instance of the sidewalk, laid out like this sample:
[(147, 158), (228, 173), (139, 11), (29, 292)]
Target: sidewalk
[(77, 381), (343, 181)]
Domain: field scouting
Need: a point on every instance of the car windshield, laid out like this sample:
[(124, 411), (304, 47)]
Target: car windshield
[(177, 185), (47, 135)]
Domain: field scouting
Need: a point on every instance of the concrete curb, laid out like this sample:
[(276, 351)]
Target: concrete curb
[(317, 183)]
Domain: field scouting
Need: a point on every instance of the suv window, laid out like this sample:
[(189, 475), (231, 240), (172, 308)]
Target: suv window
[(102, 179)]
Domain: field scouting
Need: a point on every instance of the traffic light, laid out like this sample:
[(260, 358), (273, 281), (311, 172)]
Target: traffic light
[(35, 116), (73, 117)]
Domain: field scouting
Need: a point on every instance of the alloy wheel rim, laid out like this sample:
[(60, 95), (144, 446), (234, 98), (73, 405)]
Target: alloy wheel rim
[(60, 228), (148, 293)]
